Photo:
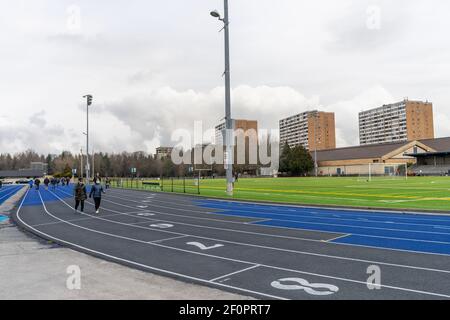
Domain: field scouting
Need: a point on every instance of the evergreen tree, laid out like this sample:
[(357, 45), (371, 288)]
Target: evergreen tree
[(300, 161), (284, 158)]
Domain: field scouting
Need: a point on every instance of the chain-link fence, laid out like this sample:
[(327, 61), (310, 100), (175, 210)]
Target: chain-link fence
[(177, 184)]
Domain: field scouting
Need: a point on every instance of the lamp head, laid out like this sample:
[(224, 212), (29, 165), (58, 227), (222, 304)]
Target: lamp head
[(215, 14)]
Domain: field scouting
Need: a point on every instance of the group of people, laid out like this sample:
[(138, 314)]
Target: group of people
[(81, 195), (54, 182), (80, 190)]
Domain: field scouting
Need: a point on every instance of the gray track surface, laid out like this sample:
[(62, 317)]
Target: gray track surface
[(251, 258)]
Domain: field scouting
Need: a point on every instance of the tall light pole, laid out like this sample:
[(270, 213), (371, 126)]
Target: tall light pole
[(316, 167), (229, 158), (81, 163), (88, 103)]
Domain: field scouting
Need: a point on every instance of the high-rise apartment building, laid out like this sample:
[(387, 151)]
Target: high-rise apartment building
[(314, 130), (402, 121), (244, 125), (163, 152)]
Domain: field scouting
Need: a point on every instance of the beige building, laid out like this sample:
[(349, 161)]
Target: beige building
[(403, 121), (311, 129), (238, 124), (163, 152), (245, 144), (356, 160)]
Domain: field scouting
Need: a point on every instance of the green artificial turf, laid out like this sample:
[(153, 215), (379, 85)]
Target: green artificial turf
[(429, 193)]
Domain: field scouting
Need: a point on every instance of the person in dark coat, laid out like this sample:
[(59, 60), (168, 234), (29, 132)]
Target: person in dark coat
[(46, 183), (37, 182), (53, 182), (96, 193), (80, 194)]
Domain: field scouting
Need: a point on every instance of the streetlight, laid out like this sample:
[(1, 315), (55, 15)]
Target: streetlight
[(88, 103), (81, 163), (228, 121), (315, 114)]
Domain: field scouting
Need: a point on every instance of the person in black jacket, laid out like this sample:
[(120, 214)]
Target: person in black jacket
[(80, 194), (37, 182), (46, 182)]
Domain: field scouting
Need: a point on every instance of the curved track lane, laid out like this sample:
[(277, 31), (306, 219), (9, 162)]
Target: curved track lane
[(228, 245)]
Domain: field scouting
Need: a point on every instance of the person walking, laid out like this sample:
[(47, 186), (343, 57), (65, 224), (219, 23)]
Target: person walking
[(53, 182), (96, 193), (37, 182), (80, 195), (46, 182), (107, 183)]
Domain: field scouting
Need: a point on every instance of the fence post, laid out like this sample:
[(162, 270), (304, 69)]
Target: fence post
[(184, 184), (198, 184), (172, 184)]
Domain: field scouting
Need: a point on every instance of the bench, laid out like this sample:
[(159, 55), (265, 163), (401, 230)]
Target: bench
[(151, 184)]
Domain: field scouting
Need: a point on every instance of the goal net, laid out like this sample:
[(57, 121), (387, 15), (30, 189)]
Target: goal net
[(383, 171)]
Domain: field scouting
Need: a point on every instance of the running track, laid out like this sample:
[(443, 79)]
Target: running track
[(7, 192), (265, 251)]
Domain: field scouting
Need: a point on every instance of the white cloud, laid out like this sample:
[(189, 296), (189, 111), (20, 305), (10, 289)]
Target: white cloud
[(153, 66)]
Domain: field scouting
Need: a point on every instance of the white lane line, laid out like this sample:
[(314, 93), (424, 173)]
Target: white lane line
[(300, 216), (356, 210), (340, 237), (172, 238), (244, 262), (326, 224), (102, 254), (215, 220), (235, 273), (74, 220), (288, 250), (9, 193), (258, 221), (446, 228), (417, 214), (305, 239)]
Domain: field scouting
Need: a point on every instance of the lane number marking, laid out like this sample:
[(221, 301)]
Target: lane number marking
[(146, 214), (162, 225), (203, 247), (316, 289)]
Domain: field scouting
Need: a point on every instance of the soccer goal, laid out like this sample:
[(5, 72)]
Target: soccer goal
[(383, 171)]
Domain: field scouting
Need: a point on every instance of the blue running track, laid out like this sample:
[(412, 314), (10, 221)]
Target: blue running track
[(410, 232), (33, 198), (7, 192)]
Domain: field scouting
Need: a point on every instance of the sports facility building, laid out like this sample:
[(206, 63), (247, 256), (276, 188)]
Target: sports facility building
[(379, 159), (27, 173)]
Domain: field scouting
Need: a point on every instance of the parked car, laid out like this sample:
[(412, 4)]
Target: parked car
[(22, 181)]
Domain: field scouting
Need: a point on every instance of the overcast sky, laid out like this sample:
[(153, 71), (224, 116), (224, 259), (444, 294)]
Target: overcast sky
[(156, 66)]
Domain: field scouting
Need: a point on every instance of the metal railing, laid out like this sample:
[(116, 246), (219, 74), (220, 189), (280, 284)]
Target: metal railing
[(190, 185)]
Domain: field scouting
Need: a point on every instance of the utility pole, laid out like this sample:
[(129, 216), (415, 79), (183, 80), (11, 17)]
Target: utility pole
[(88, 103), (81, 164), (229, 157), (316, 168)]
